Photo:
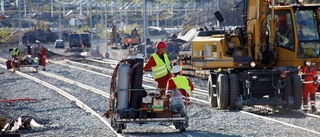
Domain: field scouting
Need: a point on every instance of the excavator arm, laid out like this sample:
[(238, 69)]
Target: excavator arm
[(260, 38)]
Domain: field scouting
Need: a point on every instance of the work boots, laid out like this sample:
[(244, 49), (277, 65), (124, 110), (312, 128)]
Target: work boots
[(313, 109), (313, 103), (305, 105)]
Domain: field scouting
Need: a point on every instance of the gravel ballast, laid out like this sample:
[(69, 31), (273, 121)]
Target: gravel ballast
[(62, 117)]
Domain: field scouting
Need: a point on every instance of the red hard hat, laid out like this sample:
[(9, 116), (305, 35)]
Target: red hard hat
[(161, 44)]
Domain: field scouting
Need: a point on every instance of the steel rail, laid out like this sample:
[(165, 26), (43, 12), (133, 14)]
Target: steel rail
[(56, 62), (79, 103), (196, 90), (95, 90), (284, 123)]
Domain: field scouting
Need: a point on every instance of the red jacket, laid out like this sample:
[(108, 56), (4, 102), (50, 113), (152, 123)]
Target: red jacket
[(151, 63), (309, 72), (42, 56), (171, 86)]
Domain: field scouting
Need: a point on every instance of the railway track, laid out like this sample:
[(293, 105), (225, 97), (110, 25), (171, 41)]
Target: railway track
[(99, 71), (69, 96), (198, 91), (111, 62), (246, 112)]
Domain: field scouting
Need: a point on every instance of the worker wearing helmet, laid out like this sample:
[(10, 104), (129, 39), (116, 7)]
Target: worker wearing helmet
[(182, 83), (310, 84), (42, 55), (160, 65)]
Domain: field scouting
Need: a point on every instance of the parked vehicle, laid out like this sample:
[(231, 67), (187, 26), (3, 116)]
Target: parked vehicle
[(59, 43)]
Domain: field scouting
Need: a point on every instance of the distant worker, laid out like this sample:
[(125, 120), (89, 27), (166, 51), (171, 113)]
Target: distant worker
[(182, 83), (160, 64), (42, 55), (309, 74), (15, 52), (134, 32), (28, 48)]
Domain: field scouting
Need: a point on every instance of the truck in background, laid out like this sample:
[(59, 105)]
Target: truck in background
[(85, 40), (74, 40), (82, 40)]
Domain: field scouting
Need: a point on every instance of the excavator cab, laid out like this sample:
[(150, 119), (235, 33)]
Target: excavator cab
[(297, 34)]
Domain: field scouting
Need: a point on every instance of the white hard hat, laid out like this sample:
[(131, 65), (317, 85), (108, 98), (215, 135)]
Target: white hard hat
[(176, 69)]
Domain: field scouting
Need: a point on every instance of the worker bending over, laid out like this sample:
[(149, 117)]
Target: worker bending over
[(182, 83)]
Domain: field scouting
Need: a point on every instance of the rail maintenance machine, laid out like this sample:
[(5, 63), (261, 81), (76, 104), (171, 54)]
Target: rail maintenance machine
[(258, 63), (131, 103)]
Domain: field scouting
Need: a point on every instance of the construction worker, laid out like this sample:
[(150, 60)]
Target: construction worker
[(15, 52), (182, 83), (160, 65), (42, 55), (310, 84)]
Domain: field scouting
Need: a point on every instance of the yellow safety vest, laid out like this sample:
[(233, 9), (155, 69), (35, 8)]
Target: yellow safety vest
[(182, 83), (15, 51), (161, 69)]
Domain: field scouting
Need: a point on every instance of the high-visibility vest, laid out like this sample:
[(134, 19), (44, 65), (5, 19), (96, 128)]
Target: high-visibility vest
[(15, 51), (182, 83), (162, 68)]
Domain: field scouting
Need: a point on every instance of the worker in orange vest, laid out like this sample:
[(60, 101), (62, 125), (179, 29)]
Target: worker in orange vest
[(309, 74), (42, 55)]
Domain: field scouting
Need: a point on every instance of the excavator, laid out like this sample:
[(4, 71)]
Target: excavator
[(257, 63)]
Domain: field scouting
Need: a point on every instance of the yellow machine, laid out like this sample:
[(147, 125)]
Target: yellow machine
[(257, 63)]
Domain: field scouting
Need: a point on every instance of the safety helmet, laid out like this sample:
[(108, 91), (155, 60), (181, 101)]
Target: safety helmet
[(176, 69), (307, 63), (38, 42), (161, 44)]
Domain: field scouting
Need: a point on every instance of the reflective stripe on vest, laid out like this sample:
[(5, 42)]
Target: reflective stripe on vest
[(309, 75), (15, 51), (161, 69), (182, 83)]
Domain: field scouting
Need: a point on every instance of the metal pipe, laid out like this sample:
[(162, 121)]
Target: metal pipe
[(51, 8), (64, 9), (20, 34), (80, 10), (91, 22), (106, 21), (101, 19), (25, 8), (2, 7), (150, 119), (145, 27), (157, 16), (60, 31), (218, 8)]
